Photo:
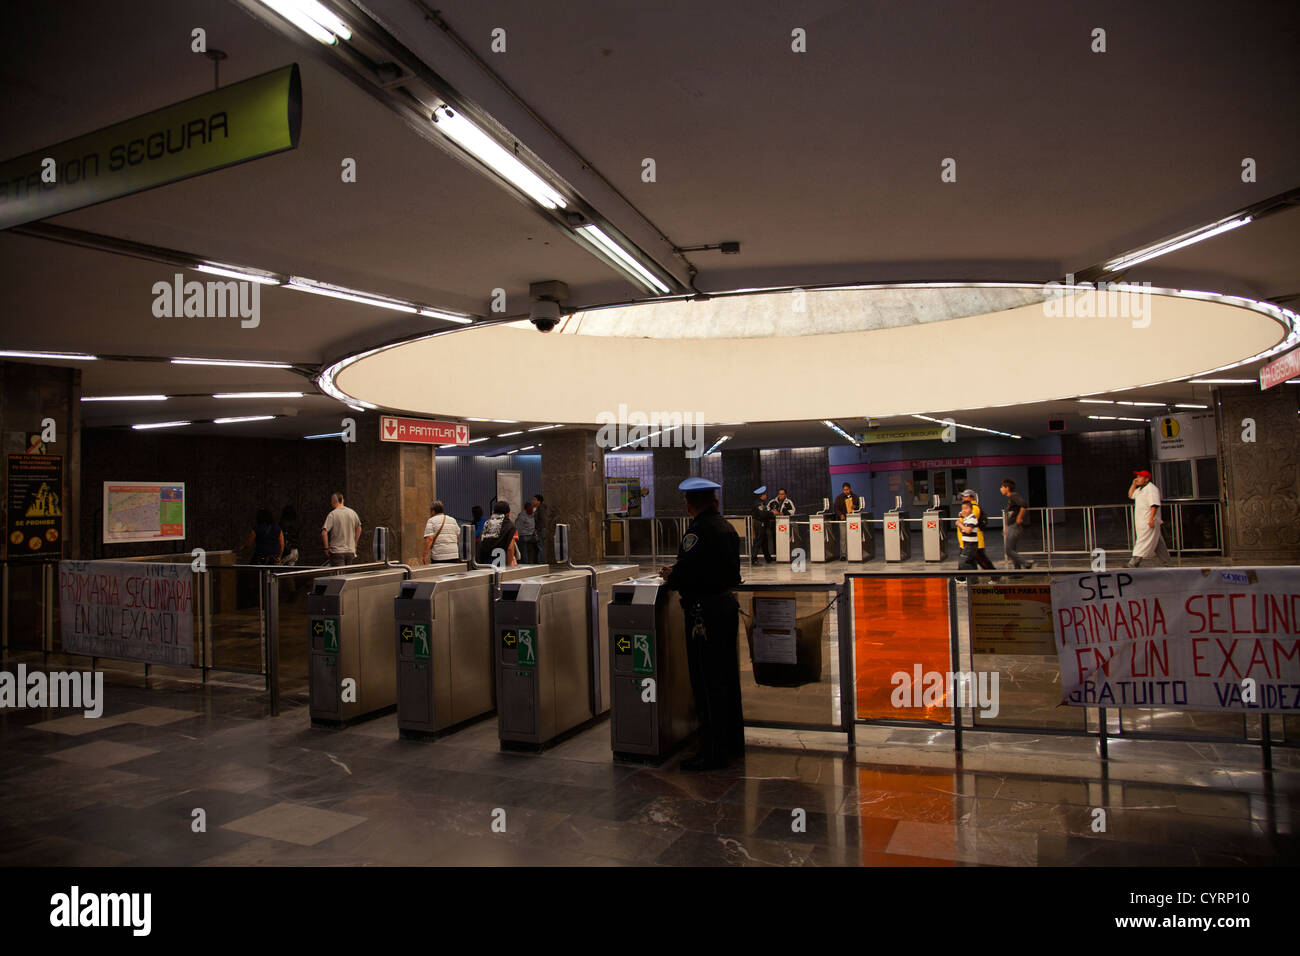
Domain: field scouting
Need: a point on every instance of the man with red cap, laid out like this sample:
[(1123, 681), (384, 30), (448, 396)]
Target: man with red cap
[(1146, 521)]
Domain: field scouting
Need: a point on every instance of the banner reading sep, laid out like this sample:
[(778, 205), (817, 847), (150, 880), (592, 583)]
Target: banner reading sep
[(1225, 639)]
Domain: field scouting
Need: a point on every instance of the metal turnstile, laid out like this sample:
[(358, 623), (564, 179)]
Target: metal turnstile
[(933, 539), (817, 539), (652, 711), (445, 671), (550, 648), (854, 526), (783, 528), (898, 545), (349, 627)]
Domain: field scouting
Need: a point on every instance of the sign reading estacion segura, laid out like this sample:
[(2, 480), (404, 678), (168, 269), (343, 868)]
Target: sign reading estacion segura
[(236, 123)]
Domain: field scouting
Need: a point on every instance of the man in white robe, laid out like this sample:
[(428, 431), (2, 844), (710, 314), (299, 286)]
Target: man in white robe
[(1146, 521)]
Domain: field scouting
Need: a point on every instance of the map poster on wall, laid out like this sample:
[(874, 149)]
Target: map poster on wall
[(34, 506), (127, 610), (143, 511)]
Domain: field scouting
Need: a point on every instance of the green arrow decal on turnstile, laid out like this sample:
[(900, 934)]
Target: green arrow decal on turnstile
[(421, 642), (331, 633), (643, 653), (527, 647)]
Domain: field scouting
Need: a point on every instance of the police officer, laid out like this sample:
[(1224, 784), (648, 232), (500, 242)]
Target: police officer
[(763, 521), (707, 568)]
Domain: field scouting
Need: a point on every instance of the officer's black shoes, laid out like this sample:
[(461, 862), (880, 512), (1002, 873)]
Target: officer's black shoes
[(703, 762)]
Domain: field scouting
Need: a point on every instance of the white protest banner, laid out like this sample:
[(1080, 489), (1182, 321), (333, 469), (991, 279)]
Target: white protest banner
[(1225, 639), (128, 610)]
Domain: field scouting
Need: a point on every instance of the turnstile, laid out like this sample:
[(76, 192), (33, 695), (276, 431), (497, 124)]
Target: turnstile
[(349, 626), (445, 671), (652, 711), (550, 648), (853, 536), (817, 539), (933, 540), (898, 545), (783, 527)]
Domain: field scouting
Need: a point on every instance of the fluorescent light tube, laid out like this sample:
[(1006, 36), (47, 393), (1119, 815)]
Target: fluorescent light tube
[(475, 441), (77, 356), (715, 445), (1222, 381), (311, 18), (508, 434), (1178, 242), (446, 316), (228, 362), (1096, 401), (990, 431), (327, 435), (258, 395), (124, 398), (351, 295), (495, 156), (246, 418), (1191, 406), (603, 242), (542, 428), (236, 274), (161, 425)]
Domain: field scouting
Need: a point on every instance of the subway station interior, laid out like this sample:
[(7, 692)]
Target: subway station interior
[(977, 324)]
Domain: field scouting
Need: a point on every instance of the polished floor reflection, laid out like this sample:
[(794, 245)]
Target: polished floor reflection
[(124, 790)]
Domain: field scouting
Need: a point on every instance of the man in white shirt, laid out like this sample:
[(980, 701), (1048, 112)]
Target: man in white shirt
[(341, 533), (441, 536), (1146, 521)]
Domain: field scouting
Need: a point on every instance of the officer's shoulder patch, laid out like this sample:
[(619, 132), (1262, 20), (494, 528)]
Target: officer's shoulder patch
[(689, 541)]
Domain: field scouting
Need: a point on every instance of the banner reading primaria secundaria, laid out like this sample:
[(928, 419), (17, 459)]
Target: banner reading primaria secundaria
[(233, 124), (1225, 639)]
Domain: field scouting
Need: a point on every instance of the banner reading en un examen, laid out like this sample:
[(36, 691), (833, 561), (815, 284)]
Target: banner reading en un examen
[(127, 610), (1225, 639)]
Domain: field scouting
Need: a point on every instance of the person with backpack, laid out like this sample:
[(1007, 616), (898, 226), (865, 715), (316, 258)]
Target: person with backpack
[(982, 524), (1013, 524), (498, 532)]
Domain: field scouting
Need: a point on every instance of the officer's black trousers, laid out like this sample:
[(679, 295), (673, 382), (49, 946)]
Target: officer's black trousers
[(715, 676), (763, 540)]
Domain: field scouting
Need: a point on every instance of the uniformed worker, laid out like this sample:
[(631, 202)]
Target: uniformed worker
[(763, 521), (707, 568)]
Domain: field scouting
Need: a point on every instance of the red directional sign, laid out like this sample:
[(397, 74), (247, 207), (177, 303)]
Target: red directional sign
[(1277, 372), (422, 431)]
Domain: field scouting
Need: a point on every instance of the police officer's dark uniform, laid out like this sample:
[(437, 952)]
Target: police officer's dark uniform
[(707, 568), (764, 522)]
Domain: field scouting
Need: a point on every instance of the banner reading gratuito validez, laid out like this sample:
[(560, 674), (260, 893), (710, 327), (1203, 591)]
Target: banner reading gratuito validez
[(1225, 639), (233, 124)]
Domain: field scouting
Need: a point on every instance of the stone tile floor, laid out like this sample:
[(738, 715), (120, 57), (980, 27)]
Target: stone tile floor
[(123, 790)]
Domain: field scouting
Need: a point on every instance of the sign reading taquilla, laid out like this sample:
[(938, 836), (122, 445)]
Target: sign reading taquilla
[(243, 121)]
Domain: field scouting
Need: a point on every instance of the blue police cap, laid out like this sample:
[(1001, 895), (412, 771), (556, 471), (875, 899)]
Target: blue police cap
[(698, 484), (760, 489)]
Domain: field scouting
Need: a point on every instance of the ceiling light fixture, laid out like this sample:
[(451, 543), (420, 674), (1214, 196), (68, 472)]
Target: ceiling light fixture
[(492, 154), (124, 398), (245, 418), (327, 435), (1096, 401), (351, 295), (989, 431), (715, 445), (623, 259), (1145, 404), (475, 441), (229, 363), (1222, 381), (160, 425), (311, 18), (1177, 242), (839, 431), (258, 395), (263, 278), (1191, 406), (446, 316), (74, 356), (508, 434), (542, 428)]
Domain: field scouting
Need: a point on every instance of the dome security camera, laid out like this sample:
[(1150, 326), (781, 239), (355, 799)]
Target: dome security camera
[(545, 315)]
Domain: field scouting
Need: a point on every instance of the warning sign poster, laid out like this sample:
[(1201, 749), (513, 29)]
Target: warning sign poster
[(34, 506)]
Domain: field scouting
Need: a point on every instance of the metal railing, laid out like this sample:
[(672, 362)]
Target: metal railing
[(1065, 531), (1101, 723)]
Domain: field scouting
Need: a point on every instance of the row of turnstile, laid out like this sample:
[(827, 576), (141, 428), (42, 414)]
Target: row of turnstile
[(548, 650), (859, 542)]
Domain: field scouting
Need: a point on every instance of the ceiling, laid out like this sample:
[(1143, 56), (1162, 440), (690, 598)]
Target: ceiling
[(824, 166)]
